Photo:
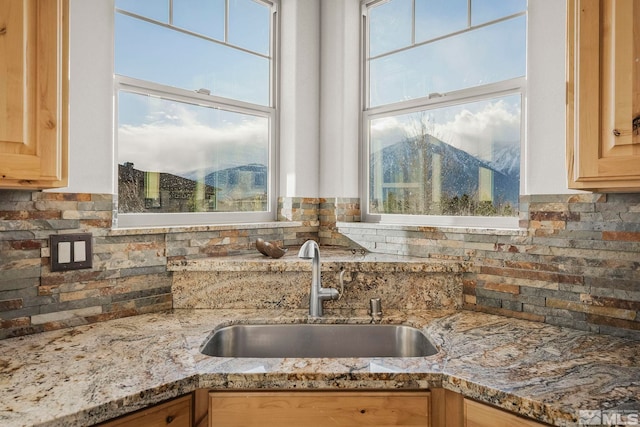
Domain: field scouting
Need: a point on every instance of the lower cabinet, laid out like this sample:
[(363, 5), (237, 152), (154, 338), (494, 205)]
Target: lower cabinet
[(174, 413), (319, 409), (433, 408)]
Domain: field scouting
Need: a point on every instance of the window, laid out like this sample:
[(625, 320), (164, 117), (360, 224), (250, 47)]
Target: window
[(196, 111), (443, 106)]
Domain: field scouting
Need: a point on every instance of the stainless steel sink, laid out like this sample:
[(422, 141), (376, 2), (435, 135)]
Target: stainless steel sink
[(318, 340)]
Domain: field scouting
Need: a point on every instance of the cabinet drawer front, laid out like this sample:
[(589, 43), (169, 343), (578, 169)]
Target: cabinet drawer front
[(481, 415), (175, 413), (318, 409)]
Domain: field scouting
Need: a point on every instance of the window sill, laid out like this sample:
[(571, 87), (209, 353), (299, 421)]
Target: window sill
[(131, 231), (446, 229)]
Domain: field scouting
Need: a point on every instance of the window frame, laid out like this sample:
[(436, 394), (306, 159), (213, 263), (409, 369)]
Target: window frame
[(123, 83), (429, 102)]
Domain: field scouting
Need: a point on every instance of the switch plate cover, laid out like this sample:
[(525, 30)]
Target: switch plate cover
[(63, 251)]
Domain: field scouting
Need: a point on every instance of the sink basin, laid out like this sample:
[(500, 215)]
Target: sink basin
[(318, 340)]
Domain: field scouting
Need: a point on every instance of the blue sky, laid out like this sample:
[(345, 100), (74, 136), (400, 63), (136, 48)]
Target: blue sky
[(444, 62), (156, 53)]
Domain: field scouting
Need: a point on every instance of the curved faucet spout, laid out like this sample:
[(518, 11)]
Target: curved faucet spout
[(317, 294), (309, 250)]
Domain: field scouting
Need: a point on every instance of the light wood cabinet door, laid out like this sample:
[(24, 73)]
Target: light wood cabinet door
[(318, 409), (603, 95), (175, 413), (34, 42), (480, 415)]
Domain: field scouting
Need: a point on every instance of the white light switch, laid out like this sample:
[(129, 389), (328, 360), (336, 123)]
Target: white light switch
[(79, 251), (64, 252)]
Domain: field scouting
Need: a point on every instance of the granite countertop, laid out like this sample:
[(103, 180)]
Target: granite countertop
[(92, 373)]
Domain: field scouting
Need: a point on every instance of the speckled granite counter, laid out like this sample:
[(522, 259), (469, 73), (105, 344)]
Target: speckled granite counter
[(92, 373)]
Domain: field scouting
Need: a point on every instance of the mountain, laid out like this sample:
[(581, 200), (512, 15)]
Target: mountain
[(230, 177), (227, 176), (405, 173), (507, 160)]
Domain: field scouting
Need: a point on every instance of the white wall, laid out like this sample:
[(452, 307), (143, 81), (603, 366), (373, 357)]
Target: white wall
[(339, 98), (319, 98), (299, 98), (545, 123), (91, 167)]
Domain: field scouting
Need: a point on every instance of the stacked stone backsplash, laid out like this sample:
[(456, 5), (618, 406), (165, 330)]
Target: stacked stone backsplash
[(575, 262), (325, 213), (129, 274)]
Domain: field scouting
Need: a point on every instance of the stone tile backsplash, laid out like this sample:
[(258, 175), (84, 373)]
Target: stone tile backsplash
[(574, 262)]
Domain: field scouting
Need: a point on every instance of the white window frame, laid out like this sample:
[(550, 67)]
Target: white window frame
[(170, 93), (431, 102)]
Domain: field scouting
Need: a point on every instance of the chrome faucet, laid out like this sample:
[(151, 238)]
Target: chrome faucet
[(317, 294)]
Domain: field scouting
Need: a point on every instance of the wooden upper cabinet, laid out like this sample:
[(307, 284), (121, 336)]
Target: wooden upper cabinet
[(603, 95), (34, 58)]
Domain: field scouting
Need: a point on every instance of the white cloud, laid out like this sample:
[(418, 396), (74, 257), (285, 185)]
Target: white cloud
[(178, 142), (475, 128), (478, 132), (388, 131)]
